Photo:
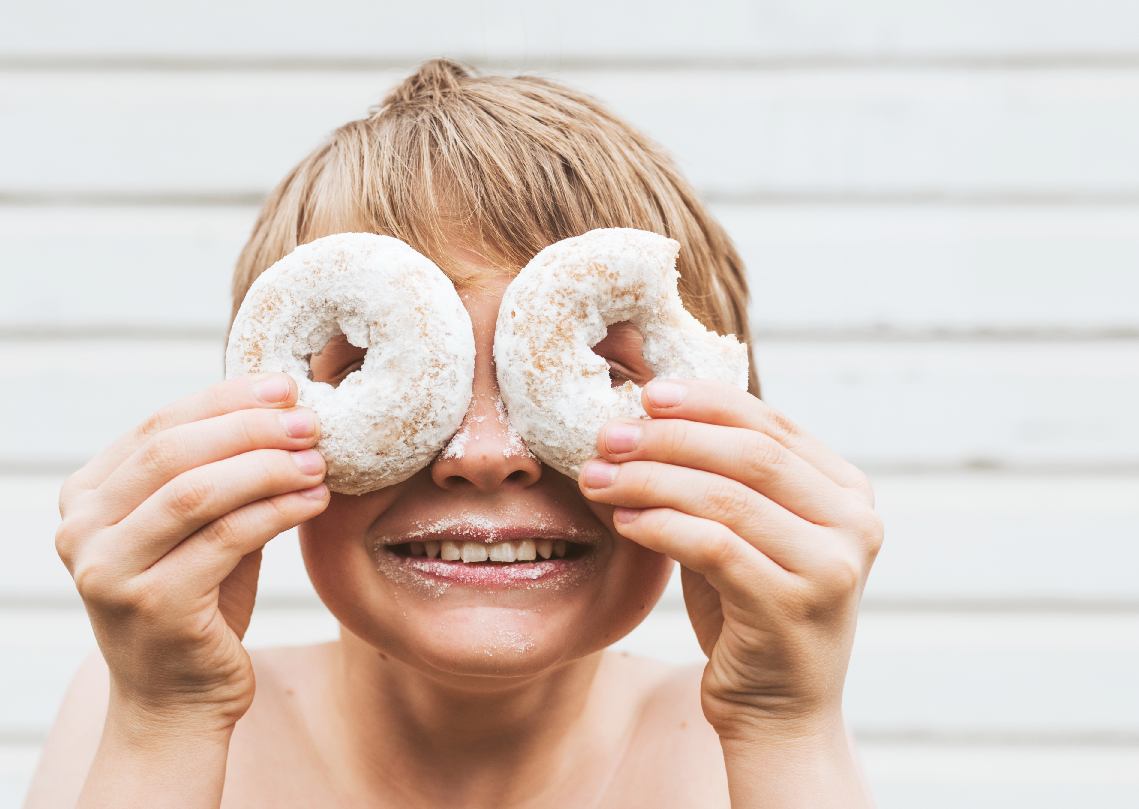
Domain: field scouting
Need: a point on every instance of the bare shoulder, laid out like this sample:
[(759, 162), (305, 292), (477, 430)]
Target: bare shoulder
[(271, 755), (674, 756), (70, 747)]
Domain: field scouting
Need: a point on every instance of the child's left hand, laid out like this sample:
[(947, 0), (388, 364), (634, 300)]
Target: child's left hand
[(776, 533)]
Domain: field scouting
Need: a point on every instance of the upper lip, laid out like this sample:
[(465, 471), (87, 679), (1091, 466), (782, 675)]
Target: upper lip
[(474, 529)]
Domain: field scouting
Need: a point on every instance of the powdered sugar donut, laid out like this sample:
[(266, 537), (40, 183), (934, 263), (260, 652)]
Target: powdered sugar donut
[(557, 391), (388, 419)]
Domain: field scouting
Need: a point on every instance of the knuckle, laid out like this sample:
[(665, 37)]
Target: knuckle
[(718, 551), (227, 531), (189, 494), (68, 492), (649, 481), (155, 423), (95, 585), (778, 426), (162, 454), (724, 499), (66, 542), (761, 453), (676, 437), (840, 576), (247, 426), (872, 531)]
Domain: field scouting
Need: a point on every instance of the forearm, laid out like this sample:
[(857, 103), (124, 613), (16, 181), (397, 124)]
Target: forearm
[(774, 769), (143, 763)]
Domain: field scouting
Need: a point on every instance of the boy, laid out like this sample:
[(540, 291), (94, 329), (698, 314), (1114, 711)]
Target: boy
[(471, 695)]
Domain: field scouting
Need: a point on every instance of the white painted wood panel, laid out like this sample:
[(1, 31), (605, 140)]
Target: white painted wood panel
[(939, 673), (815, 268), (906, 776), (903, 776), (972, 540), (17, 763), (879, 404), (527, 32), (115, 268), (736, 132)]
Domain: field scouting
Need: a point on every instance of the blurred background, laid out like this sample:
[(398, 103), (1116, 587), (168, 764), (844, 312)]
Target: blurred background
[(938, 202)]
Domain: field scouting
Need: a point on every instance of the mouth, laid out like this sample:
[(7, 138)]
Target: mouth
[(509, 552), (476, 553)]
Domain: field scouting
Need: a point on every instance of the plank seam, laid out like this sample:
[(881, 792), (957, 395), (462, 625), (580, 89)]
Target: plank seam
[(1023, 61), (944, 197), (20, 467), (52, 332)]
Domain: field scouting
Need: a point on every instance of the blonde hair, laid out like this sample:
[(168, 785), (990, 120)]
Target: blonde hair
[(512, 164)]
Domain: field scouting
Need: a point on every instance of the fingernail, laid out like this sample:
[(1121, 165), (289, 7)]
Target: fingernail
[(272, 389), (622, 437), (598, 474), (317, 492), (624, 516), (309, 461), (665, 394), (298, 423)]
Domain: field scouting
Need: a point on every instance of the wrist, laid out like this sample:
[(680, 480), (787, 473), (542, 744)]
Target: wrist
[(792, 763), (146, 760)]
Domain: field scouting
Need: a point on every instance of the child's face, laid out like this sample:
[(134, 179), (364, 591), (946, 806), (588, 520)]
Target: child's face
[(456, 618)]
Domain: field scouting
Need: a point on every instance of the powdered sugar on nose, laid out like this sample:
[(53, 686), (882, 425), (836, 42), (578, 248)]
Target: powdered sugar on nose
[(514, 447)]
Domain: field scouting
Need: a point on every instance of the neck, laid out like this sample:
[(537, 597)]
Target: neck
[(428, 738)]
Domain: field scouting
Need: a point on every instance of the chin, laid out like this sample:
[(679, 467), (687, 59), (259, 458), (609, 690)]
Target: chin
[(564, 599)]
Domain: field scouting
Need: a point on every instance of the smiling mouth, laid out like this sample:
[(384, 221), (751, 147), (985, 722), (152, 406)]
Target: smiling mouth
[(491, 553)]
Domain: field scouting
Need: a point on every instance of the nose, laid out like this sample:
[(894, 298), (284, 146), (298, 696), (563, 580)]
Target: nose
[(486, 453)]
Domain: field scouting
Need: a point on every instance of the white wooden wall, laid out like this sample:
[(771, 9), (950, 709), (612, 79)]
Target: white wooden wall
[(938, 201)]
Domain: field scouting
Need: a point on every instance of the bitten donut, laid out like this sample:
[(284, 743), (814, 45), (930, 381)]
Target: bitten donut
[(556, 390), (388, 419)]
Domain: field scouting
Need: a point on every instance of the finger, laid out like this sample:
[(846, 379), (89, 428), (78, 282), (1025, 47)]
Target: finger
[(773, 530), (208, 557), (718, 403), (200, 496), (256, 390), (738, 571), (176, 450), (753, 458)]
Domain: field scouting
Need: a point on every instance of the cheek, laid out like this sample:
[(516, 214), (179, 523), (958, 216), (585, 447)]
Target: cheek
[(335, 548)]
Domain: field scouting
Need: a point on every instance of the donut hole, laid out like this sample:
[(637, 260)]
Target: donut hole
[(333, 363), (622, 348)]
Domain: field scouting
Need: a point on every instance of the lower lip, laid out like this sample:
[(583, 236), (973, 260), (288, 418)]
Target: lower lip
[(436, 575)]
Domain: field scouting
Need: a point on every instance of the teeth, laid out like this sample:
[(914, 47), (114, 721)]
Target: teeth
[(503, 552), (523, 550), (474, 552)]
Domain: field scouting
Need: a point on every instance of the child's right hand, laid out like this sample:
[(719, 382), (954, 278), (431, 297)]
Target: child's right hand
[(163, 532)]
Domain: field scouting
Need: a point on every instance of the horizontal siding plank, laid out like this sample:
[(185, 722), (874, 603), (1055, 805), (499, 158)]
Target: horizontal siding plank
[(914, 776), (903, 776), (121, 268), (17, 763), (818, 268), (735, 132), (971, 540), (1054, 675), (529, 32), (878, 404)]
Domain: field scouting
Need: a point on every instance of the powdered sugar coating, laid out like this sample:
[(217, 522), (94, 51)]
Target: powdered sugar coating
[(556, 390), (391, 417)]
